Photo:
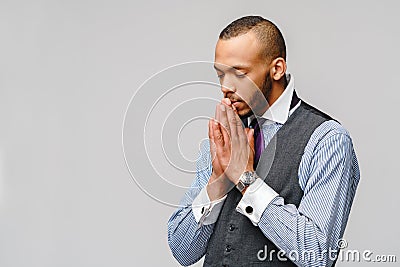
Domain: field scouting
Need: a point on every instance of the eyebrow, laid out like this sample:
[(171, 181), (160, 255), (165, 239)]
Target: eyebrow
[(236, 67)]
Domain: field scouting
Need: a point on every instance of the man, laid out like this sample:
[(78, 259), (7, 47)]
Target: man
[(278, 194)]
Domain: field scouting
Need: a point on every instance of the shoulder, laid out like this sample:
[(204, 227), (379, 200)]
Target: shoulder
[(330, 130), (327, 130), (330, 133), (328, 141)]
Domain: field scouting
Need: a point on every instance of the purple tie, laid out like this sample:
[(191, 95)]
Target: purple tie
[(258, 139)]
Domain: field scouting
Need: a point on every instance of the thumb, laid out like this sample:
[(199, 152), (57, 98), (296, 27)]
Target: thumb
[(250, 137)]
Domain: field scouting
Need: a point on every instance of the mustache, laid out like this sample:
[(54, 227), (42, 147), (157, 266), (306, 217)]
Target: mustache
[(233, 98)]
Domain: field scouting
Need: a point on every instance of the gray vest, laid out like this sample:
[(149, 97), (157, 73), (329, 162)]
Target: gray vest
[(235, 240)]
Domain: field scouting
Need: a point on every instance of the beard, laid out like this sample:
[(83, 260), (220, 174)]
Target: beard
[(266, 87), (257, 104)]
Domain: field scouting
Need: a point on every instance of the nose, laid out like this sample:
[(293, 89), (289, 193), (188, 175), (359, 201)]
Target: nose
[(227, 87)]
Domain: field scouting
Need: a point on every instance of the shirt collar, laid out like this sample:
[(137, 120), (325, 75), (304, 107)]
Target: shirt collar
[(279, 110)]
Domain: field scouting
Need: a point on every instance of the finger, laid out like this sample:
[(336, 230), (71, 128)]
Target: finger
[(218, 115), (240, 128), (213, 144), (250, 141), (234, 123), (224, 124), (250, 137), (211, 134), (219, 142), (217, 134), (234, 108), (226, 101), (216, 123)]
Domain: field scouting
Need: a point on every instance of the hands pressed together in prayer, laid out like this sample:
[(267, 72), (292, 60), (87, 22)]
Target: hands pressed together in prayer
[(231, 147)]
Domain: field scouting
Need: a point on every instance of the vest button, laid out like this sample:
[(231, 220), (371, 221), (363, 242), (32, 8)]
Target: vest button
[(228, 248), (231, 227)]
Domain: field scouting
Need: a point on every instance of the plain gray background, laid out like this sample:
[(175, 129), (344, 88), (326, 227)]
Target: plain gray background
[(68, 70)]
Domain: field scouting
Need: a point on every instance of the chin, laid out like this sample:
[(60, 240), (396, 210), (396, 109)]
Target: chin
[(243, 113)]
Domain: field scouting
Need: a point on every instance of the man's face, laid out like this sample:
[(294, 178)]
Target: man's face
[(243, 73)]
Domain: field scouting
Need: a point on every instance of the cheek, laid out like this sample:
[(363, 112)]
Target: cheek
[(247, 89), (250, 92)]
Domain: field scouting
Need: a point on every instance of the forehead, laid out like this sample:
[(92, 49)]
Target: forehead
[(243, 50)]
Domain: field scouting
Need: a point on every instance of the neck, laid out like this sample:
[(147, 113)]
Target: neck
[(277, 89)]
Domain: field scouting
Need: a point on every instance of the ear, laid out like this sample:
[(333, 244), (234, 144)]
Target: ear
[(278, 68)]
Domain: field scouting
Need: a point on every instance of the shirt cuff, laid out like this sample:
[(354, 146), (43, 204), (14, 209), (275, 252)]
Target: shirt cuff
[(205, 211), (255, 200)]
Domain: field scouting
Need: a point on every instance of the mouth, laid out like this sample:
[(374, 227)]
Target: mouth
[(236, 103)]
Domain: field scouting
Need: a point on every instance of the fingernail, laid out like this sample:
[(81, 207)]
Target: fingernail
[(222, 107)]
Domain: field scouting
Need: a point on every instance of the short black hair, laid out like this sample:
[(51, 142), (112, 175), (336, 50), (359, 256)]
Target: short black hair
[(266, 31)]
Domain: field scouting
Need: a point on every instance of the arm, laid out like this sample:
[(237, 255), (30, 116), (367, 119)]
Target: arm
[(316, 226), (186, 240), (191, 226)]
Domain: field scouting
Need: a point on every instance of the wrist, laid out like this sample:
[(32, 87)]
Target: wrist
[(246, 179), (249, 168), (214, 177), (218, 186)]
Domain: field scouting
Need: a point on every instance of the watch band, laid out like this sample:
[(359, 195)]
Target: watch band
[(246, 179), (241, 186)]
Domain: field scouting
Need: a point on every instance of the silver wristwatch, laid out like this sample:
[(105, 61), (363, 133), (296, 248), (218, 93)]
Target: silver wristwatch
[(246, 179)]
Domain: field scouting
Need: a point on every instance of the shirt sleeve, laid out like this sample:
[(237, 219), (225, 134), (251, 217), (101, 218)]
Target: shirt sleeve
[(255, 200), (186, 239), (206, 212), (315, 227)]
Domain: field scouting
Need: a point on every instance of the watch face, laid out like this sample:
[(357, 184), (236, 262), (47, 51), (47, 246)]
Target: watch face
[(248, 178)]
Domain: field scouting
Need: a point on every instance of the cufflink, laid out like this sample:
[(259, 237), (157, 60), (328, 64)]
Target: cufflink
[(205, 212), (249, 209)]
